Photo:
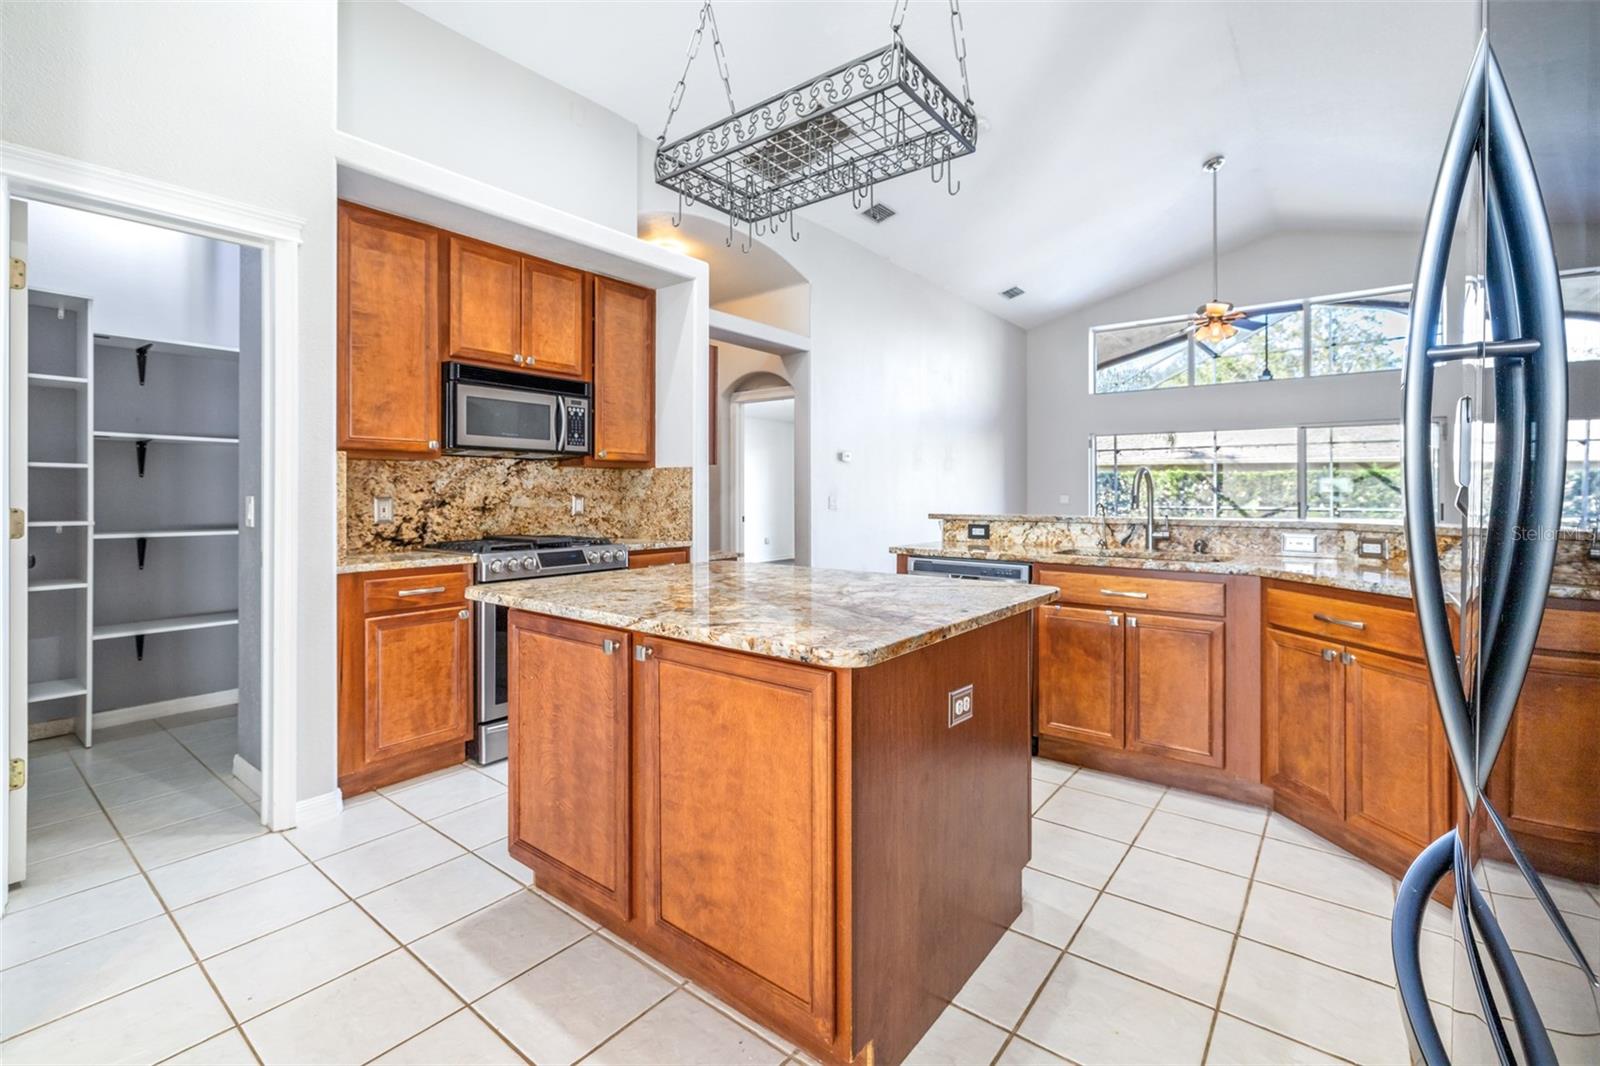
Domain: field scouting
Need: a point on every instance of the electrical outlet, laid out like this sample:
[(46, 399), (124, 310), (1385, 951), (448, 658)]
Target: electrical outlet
[(1372, 546), (833, 501), (382, 510), (1064, 499), (977, 531), (1299, 543), (577, 505)]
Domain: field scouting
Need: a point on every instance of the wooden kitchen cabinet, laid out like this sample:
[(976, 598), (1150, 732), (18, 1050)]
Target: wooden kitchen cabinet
[(657, 557), (1174, 687), (570, 736), (1543, 783), (388, 350), (1302, 711), (516, 312), (405, 674), (735, 785), (1354, 747), (1133, 664), (624, 374), (1079, 652)]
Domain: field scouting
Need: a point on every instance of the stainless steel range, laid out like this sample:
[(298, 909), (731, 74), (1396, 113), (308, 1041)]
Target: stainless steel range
[(516, 559)]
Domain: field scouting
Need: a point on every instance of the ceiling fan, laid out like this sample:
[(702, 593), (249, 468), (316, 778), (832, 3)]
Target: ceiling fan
[(1213, 321)]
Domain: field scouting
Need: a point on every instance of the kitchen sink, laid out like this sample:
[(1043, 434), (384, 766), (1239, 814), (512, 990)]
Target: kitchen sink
[(1176, 555)]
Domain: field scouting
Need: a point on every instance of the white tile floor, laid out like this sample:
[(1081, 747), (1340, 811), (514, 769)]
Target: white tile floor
[(159, 923)]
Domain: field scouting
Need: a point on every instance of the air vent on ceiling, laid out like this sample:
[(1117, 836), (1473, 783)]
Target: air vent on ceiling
[(879, 212), (1011, 293)]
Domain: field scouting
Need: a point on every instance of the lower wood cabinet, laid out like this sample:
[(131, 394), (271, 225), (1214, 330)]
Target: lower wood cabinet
[(570, 742), (405, 674), (657, 557), (1353, 743), (1145, 681)]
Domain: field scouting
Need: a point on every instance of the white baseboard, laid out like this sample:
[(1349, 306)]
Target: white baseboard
[(317, 808), (248, 775), (160, 709)]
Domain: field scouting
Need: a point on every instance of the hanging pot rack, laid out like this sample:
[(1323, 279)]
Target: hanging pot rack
[(874, 118)]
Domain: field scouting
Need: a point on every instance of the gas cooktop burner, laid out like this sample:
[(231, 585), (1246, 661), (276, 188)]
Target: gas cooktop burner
[(510, 557)]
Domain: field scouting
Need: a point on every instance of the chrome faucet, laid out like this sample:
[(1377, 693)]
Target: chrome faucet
[(1143, 477)]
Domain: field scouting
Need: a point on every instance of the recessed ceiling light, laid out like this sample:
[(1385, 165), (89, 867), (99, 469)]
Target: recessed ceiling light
[(879, 212), (1011, 293)]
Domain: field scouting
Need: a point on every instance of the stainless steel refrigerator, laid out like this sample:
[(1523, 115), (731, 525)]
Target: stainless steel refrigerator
[(1506, 301)]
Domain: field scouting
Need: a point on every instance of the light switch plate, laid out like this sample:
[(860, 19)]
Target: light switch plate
[(382, 509), (960, 705), (1372, 546)]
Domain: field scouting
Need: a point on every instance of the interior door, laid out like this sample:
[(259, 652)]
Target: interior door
[(14, 579)]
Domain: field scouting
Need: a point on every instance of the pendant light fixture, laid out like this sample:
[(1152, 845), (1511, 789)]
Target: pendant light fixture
[(1214, 320)]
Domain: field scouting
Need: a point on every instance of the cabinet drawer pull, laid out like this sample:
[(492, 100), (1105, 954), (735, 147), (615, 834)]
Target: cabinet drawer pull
[(1332, 621), (1129, 595), (431, 590)]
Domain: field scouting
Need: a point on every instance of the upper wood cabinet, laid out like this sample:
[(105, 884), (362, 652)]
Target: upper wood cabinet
[(405, 674), (557, 315), (388, 351), (1080, 671), (511, 310), (735, 792), (570, 738), (624, 373)]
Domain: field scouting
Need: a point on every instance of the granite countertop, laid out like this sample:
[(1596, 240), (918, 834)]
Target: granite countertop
[(1330, 572), (362, 562), (831, 617)]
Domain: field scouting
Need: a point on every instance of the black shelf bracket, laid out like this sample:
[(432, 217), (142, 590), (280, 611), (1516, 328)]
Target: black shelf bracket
[(139, 449), (141, 355), (138, 646), (139, 545)]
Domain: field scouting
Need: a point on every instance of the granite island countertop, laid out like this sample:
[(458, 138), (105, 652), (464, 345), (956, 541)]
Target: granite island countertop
[(1330, 572), (837, 618)]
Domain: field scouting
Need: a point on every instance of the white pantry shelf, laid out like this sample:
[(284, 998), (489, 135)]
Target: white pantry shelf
[(57, 585), (161, 347), (39, 691), (152, 534), (175, 624), (164, 438)]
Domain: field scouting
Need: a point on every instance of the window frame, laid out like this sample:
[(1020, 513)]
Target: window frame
[(1304, 306), (1301, 469)]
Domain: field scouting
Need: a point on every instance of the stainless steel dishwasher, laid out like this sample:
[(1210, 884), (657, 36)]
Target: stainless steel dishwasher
[(969, 569)]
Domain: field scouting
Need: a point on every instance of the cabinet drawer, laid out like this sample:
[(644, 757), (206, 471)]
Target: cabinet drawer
[(1570, 631), (1344, 620), (1116, 590), (417, 588)]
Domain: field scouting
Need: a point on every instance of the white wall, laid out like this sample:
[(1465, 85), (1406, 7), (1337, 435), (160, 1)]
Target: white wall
[(1063, 410), (145, 281), (766, 465), (409, 83), (236, 100), (787, 308), (734, 363)]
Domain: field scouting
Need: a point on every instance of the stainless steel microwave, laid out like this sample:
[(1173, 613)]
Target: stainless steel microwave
[(504, 413)]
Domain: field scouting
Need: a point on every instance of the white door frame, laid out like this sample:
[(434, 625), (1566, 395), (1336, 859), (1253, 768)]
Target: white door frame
[(36, 175), (736, 403)]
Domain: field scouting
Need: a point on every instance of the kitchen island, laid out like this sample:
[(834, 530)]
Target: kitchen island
[(807, 790)]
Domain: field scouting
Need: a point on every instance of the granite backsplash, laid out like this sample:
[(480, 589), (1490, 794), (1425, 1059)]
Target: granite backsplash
[(461, 497)]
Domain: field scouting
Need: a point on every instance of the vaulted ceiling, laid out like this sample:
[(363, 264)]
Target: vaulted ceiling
[(1095, 119)]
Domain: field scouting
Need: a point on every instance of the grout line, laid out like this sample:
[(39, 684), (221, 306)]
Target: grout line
[(1233, 945)]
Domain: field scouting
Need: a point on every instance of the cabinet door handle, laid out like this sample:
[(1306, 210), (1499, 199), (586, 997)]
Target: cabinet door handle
[(601, 454), (1330, 654), (1128, 595), (465, 612), (433, 445), (1347, 659), (1332, 621), (608, 646), (642, 652), (1133, 622), (1113, 618), (431, 590), (517, 359)]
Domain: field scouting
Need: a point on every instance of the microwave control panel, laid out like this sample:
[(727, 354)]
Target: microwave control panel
[(577, 425)]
